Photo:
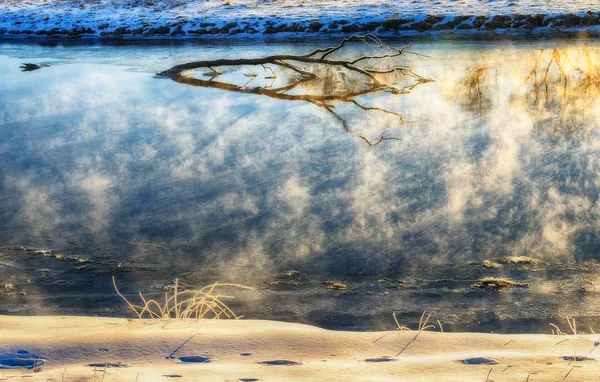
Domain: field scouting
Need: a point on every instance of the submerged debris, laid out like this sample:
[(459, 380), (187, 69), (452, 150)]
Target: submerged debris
[(6, 287), (285, 283), (590, 265), (499, 262), (290, 274), (513, 260), (335, 286), (404, 284), (289, 278), (491, 264), (56, 255), (79, 260), (497, 283)]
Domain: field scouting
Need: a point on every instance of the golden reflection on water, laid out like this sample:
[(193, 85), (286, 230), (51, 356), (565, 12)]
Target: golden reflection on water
[(564, 84), (559, 88)]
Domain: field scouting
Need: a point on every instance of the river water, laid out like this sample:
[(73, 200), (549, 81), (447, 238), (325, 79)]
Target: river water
[(107, 169)]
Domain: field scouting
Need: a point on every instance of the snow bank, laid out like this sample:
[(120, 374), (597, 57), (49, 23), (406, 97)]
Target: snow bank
[(209, 18), (113, 349)]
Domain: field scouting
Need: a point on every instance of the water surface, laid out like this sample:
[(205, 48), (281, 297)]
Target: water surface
[(127, 174)]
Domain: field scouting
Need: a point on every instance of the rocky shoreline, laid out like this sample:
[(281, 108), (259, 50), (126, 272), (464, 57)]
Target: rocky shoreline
[(181, 26)]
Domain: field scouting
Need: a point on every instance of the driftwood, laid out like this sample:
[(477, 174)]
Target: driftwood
[(319, 77)]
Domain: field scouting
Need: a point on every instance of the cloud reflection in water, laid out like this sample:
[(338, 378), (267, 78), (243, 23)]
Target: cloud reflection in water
[(499, 157)]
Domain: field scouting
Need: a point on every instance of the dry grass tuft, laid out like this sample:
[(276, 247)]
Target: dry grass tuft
[(572, 326), (403, 328), (422, 326), (399, 326), (196, 304), (574, 332), (556, 330)]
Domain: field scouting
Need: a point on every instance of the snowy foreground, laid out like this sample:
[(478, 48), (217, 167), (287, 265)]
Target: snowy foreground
[(135, 19), (116, 349)]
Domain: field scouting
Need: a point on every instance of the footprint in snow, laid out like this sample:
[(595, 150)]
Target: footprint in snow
[(108, 364), (280, 362), (381, 359), (21, 359), (478, 361), (577, 358), (194, 359)]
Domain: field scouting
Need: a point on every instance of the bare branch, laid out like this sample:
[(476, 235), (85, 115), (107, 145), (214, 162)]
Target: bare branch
[(334, 79), (295, 68), (367, 108), (327, 51), (364, 38)]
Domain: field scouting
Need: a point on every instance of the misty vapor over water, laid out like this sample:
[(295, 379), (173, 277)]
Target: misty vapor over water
[(498, 157)]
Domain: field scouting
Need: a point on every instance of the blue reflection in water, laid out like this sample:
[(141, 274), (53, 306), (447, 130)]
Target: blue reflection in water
[(154, 180)]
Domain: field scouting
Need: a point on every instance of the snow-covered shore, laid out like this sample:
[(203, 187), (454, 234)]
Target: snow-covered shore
[(78, 348), (151, 19)]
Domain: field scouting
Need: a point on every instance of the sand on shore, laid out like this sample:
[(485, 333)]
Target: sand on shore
[(155, 350)]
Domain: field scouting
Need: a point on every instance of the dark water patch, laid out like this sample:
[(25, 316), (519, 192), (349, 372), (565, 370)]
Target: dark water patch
[(194, 359), (478, 361)]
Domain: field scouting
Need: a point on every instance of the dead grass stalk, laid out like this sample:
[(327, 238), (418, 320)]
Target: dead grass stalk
[(183, 304)]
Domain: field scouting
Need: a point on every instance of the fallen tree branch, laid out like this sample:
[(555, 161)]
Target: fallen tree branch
[(335, 78)]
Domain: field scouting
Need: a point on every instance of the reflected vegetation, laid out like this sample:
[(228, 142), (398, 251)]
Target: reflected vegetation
[(151, 180), (474, 91), (564, 85)]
